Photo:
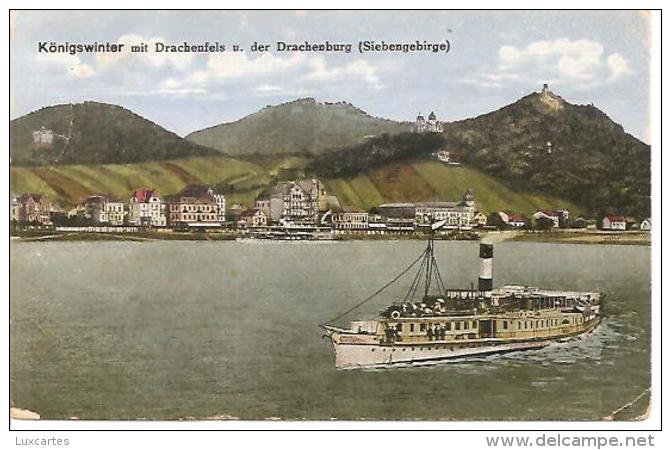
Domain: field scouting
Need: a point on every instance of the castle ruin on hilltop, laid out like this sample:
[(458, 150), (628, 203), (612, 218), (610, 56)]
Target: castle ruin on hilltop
[(547, 97)]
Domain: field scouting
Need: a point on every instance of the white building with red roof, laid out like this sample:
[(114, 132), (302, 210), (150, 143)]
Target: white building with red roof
[(612, 222), (547, 214), (145, 208)]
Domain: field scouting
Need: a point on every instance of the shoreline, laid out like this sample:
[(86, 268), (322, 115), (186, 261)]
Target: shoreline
[(583, 237)]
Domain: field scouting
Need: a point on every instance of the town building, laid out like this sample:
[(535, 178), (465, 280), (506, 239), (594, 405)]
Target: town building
[(31, 208), (614, 223), (432, 125), (377, 224), (646, 224), (197, 206), (349, 221), (458, 215), (145, 208), (15, 208), (580, 222), (513, 220), (253, 218), (102, 209), (480, 219), (444, 157), (546, 214), (517, 221), (296, 202), (263, 204), (397, 210)]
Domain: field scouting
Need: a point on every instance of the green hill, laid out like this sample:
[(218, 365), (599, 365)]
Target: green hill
[(94, 133), (409, 180), (427, 180), (303, 126), (69, 185)]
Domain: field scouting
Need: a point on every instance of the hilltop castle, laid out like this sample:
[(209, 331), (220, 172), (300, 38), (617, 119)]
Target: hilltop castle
[(428, 126), (548, 98)]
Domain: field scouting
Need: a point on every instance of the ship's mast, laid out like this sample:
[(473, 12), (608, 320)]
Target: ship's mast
[(429, 262)]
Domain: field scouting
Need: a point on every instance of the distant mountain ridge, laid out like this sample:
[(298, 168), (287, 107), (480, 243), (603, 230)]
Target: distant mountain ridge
[(539, 143), (93, 133), (301, 126)]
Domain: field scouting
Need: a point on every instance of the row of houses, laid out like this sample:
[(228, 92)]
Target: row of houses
[(293, 204), (562, 219), (304, 203), (621, 223), (30, 208), (194, 206)]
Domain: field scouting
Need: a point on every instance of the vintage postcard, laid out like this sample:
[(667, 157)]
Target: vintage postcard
[(330, 215)]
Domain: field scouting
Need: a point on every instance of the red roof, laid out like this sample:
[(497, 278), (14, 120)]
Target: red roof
[(616, 218), (249, 212), (550, 213), (517, 218), (195, 190), (143, 195)]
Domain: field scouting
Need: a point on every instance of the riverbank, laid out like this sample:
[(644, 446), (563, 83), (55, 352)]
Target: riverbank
[(46, 236), (571, 236), (557, 236)]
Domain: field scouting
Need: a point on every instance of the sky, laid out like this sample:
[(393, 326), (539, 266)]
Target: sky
[(495, 57)]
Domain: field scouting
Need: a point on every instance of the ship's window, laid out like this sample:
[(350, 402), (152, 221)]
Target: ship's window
[(519, 325), (412, 327), (457, 325), (505, 324), (399, 327), (448, 326), (475, 324), (422, 327), (466, 325)]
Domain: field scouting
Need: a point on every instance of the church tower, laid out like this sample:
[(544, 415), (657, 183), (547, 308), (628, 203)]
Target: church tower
[(469, 197)]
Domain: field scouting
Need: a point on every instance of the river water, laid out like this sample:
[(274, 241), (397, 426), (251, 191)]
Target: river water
[(167, 330)]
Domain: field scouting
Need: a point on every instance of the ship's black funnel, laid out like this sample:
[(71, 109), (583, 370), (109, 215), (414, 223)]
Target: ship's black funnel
[(486, 281)]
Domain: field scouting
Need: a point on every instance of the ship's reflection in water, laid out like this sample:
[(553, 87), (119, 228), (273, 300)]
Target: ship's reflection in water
[(166, 330)]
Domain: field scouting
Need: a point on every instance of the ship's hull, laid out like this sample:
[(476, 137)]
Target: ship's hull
[(352, 353)]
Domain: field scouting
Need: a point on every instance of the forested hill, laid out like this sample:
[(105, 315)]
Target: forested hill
[(93, 133), (303, 126), (543, 143)]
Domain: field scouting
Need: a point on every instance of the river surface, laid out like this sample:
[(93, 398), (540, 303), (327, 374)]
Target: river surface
[(168, 330)]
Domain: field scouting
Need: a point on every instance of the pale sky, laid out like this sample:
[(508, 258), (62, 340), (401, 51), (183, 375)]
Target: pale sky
[(495, 58)]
